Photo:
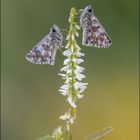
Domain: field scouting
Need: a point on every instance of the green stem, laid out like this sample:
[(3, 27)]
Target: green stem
[(71, 32), (73, 13)]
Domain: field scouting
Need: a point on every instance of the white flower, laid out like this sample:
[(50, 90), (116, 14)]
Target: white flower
[(77, 34), (66, 61), (78, 60), (77, 71), (57, 132), (69, 71), (73, 37), (72, 120), (82, 89), (79, 68), (66, 116), (60, 130), (67, 53), (63, 75), (65, 68), (78, 48), (72, 87), (64, 87), (77, 27), (68, 37), (80, 76), (80, 85), (71, 102), (79, 54), (79, 96), (68, 79), (63, 92), (67, 46)]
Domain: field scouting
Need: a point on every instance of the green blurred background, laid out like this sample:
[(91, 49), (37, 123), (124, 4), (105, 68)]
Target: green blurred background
[(30, 99)]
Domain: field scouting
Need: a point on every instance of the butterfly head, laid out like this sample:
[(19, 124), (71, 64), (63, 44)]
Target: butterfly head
[(55, 29), (84, 13), (88, 9)]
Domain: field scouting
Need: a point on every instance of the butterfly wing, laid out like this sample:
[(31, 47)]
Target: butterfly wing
[(93, 32), (43, 53), (95, 35)]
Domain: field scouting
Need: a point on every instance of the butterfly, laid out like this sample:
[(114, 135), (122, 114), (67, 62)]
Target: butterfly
[(45, 51), (93, 32)]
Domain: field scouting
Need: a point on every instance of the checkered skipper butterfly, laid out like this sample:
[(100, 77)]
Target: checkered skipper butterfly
[(45, 51), (93, 32)]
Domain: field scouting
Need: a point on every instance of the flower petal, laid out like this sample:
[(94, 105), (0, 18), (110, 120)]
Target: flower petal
[(63, 75), (78, 60), (66, 116), (64, 87), (79, 54), (78, 48), (80, 76), (71, 102), (66, 61), (63, 92), (77, 27), (65, 68), (67, 53), (79, 96), (79, 68)]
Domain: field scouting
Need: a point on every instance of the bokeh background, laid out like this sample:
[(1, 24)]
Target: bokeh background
[(30, 101)]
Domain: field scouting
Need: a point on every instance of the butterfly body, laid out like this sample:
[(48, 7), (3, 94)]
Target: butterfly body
[(45, 51), (93, 32)]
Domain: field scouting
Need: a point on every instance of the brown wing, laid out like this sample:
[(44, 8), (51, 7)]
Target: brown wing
[(94, 34), (43, 53)]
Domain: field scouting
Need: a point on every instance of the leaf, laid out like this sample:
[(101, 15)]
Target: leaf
[(46, 137), (98, 134)]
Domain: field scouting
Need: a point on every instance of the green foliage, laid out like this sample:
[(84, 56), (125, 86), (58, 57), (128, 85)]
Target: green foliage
[(46, 137), (99, 134)]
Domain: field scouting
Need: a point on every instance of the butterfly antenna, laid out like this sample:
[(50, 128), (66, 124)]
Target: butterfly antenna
[(60, 50), (64, 30), (81, 10), (77, 17), (64, 39), (79, 24), (64, 34)]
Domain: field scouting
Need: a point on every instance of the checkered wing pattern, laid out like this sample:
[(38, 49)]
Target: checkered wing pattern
[(45, 51), (93, 32)]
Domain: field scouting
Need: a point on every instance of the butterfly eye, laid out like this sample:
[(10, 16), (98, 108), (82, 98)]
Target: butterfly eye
[(53, 30), (89, 10)]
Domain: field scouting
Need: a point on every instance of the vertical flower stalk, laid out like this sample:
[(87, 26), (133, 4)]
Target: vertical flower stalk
[(73, 86), (73, 73)]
